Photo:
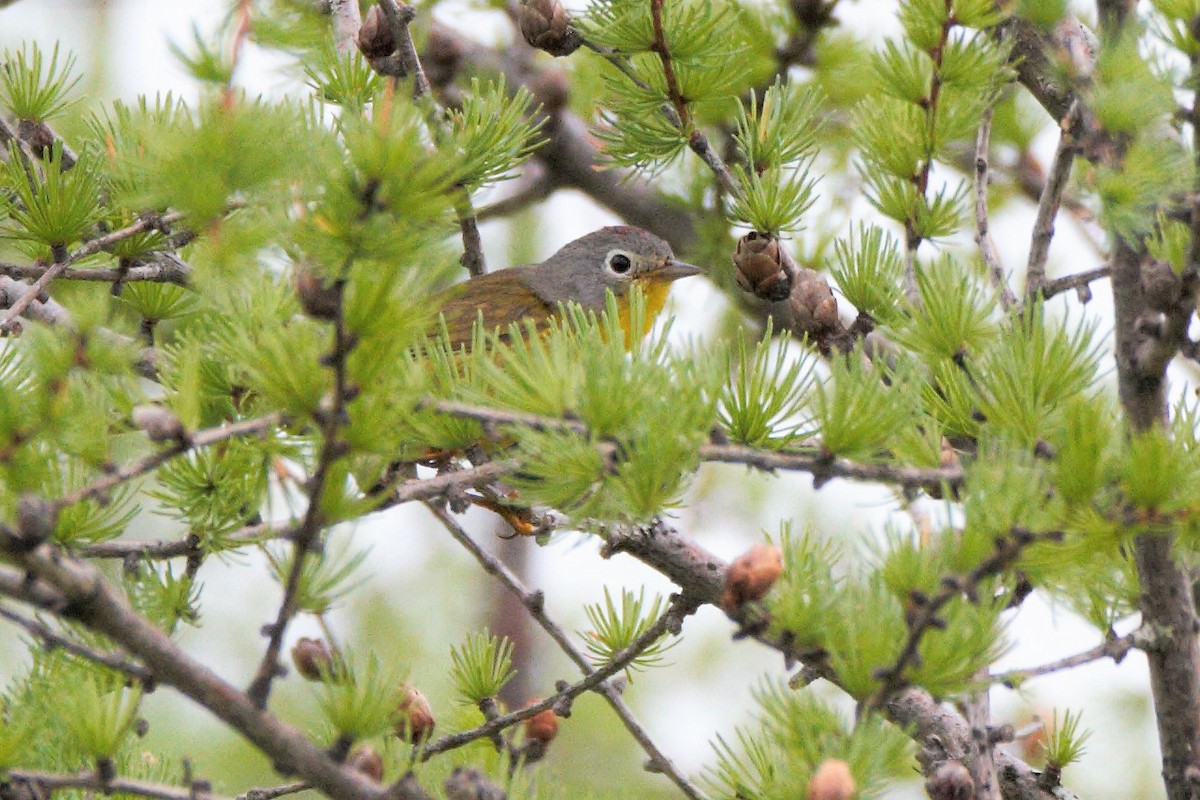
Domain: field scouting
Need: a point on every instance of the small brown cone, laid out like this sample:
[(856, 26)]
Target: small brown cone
[(546, 25), (416, 721), (375, 39), (813, 306), (751, 576), (831, 781), (950, 781), (318, 299), (758, 267), (366, 760), (313, 660), (543, 726)]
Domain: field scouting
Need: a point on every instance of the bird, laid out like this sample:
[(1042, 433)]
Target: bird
[(583, 271)]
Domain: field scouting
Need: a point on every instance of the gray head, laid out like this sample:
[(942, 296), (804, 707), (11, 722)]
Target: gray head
[(608, 259)]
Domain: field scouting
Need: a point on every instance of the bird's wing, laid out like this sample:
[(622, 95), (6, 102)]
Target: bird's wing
[(499, 298)]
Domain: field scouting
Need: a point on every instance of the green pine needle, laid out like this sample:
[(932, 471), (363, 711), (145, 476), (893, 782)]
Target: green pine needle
[(615, 628), (481, 666)]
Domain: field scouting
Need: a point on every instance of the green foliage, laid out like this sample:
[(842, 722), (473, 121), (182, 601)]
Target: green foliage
[(102, 715), (616, 629), (52, 207), (481, 667), (164, 598), (801, 600), (796, 733), (777, 142), (857, 410), (491, 134), (700, 35), (1032, 368), (323, 581), (1083, 443), (1127, 92), (645, 413), (214, 490), (1134, 195), (33, 88), (764, 402), (868, 270), (954, 317), (208, 61), (155, 302), (361, 703), (1065, 743), (344, 80)]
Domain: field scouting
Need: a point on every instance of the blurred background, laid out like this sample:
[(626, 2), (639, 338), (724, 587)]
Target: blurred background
[(420, 593)]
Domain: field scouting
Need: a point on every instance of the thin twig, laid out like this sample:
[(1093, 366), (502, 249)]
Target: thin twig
[(820, 464), (399, 14), (534, 186), (190, 546), (983, 237), (257, 426), (93, 783), (164, 269), (1008, 549), (53, 640), (696, 139), (1080, 282), (1056, 183), (91, 247), (534, 602), (305, 535), (273, 792), (1116, 649)]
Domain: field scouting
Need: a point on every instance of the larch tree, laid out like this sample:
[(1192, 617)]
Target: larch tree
[(208, 305)]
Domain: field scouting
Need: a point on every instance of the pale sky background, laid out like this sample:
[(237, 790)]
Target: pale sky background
[(405, 548)]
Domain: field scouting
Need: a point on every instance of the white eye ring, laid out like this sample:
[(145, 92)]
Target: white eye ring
[(618, 262)]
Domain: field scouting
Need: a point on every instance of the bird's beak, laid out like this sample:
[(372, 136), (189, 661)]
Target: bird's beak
[(674, 270)]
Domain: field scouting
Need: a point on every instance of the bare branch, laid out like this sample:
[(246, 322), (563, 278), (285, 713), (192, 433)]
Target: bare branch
[(51, 782), (983, 237), (53, 640), (399, 14), (595, 679), (1056, 182), (257, 426), (1080, 282), (166, 268), (146, 222), (1116, 649), (346, 21)]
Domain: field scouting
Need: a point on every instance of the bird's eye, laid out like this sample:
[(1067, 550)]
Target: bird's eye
[(619, 263)]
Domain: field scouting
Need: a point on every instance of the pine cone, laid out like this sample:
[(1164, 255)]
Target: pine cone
[(758, 265), (416, 720), (813, 306), (751, 576), (831, 781), (546, 25), (375, 38)]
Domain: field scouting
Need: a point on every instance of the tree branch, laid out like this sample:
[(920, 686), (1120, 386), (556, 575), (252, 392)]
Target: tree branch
[(983, 238), (93, 783), (534, 603), (146, 222), (86, 596), (1116, 649), (54, 640), (1048, 204)]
